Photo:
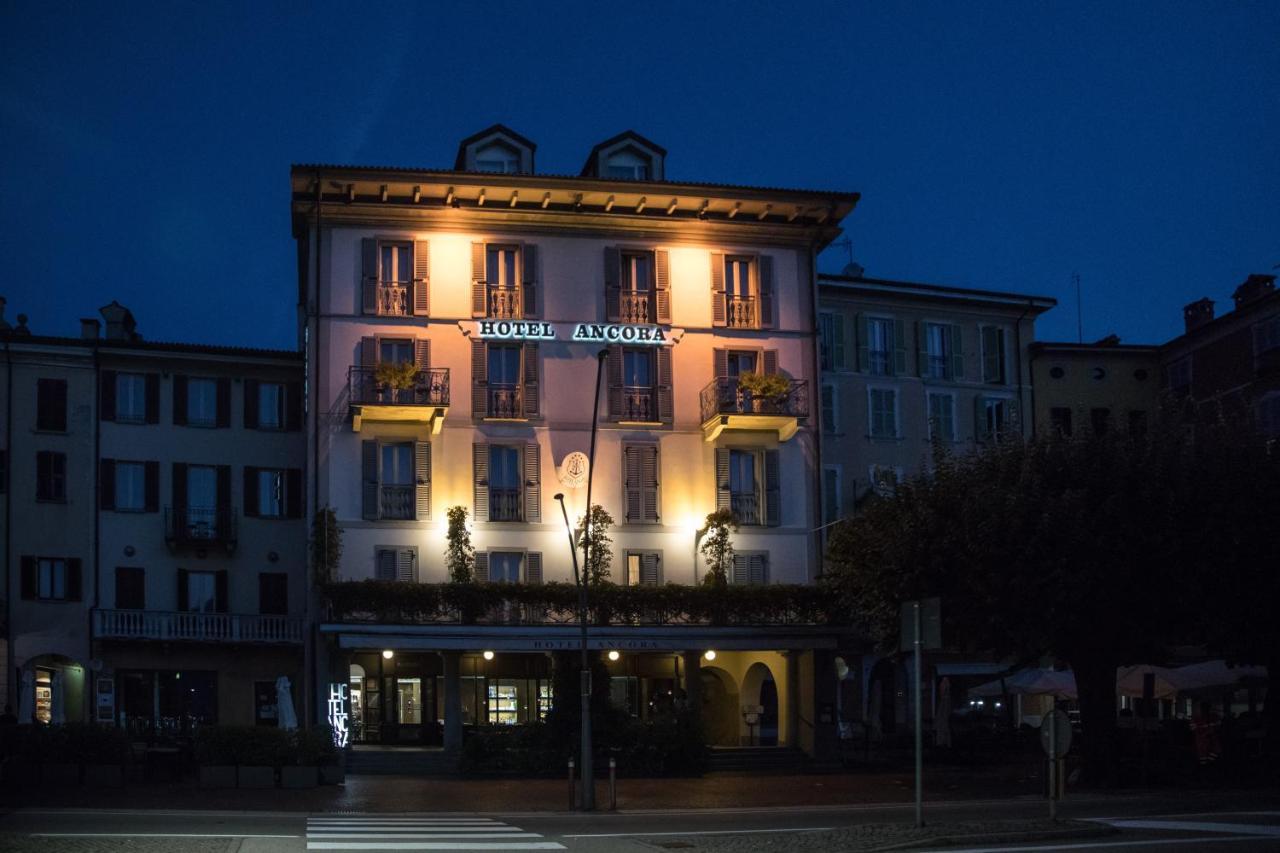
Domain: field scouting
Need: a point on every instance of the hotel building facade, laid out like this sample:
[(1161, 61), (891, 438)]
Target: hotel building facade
[(501, 287)]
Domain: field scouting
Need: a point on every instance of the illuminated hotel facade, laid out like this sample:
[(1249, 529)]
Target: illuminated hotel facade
[(501, 286)]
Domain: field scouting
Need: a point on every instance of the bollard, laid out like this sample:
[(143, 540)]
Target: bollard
[(573, 796), (613, 784)]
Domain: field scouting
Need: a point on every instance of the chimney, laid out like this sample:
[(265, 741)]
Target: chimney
[(1254, 288), (89, 328), (1198, 313), (120, 322), (4, 324)]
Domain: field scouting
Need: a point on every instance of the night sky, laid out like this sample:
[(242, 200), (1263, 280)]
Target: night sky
[(145, 148)]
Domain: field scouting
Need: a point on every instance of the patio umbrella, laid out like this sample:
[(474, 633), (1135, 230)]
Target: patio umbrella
[(286, 717), (27, 697), (57, 695), (1129, 681), (1216, 673), (1061, 684)]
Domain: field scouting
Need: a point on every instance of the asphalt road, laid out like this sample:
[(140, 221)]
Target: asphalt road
[(1210, 823)]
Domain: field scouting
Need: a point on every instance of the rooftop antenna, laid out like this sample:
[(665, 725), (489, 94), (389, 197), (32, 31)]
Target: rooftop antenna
[(1075, 276), (847, 245)]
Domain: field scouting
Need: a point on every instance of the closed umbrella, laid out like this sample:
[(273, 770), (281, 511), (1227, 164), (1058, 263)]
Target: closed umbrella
[(57, 694), (286, 717), (27, 697)]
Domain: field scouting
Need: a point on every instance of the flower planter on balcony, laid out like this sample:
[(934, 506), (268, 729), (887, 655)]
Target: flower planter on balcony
[(250, 776), (217, 775), (306, 776), (425, 400)]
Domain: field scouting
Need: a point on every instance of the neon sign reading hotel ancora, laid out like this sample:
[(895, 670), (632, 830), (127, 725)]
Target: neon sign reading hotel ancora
[(612, 333)]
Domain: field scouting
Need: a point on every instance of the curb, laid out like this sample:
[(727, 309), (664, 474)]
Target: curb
[(1064, 834)]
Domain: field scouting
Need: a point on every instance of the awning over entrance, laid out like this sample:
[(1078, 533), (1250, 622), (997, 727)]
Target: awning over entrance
[(545, 638)]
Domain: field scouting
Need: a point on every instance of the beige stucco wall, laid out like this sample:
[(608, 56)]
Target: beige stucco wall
[(1095, 377)]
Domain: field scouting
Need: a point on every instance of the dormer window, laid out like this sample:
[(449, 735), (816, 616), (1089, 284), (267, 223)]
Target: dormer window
[(497, 158), (628, 165), (627, 156)]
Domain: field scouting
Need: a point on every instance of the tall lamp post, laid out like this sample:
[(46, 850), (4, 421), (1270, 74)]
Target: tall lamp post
[(581, 578)]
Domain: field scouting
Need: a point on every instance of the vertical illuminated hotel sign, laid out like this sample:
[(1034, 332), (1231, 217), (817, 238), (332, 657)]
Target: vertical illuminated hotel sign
[(631, 334), (338, 715)]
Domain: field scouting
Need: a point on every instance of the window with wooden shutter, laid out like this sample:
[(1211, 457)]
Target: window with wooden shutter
[(107, 484), (723, 494), (772, 489), (662, 286), (480, 481), (768, 302), (422, 472), (385, 562), (616, 395), (482, 567), (750, 568), (179, 399), (769, 360), (529, 280), (640, 483), (479, 379), (612, 289), (293, 493), (251, 404), (107, 395), (533, 567), (665, 393), (75, 579), (955, 353), (529, 357), (250, 491), (407, 565), (532, 483), (29, 579), (369, 479), (369, 275), (479, 282), (221, 597), (719, 311), (720, 363), (224, 402), (151, 474), (899, 347), (421, 278)]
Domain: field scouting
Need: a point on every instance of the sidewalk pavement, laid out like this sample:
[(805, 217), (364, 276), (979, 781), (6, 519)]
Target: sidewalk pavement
[(413, 794)]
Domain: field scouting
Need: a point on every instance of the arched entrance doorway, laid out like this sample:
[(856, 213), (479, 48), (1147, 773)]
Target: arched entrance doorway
[(720, 717), (760, 706), (51, 690)]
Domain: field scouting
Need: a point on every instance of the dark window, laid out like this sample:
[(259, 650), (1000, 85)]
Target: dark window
[(273, 593), (50, 579), (51, 405), (1137, 423), (1100, 420), (1060, 421), (131, 588), (51, 476)]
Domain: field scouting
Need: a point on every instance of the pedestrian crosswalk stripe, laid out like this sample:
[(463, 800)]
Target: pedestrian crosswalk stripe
[(405, 832)]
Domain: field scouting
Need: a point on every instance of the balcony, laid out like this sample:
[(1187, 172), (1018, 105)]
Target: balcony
[(740, 312), (630, 306), (504, 402), (393, 299), (195, 627), (425, 401), (504, 302), (725, 406), (200, 527), (397, 501), (746, 506), (639, 404), (506, 505)]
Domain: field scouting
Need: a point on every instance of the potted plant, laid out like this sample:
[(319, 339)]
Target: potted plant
[(104, 751), (301, 767), (395, 376), (215, 757), (764, 391), (260, 750)]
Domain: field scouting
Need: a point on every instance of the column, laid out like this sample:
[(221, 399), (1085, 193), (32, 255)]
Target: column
[(792, 725), (693, 681), (452, 702)]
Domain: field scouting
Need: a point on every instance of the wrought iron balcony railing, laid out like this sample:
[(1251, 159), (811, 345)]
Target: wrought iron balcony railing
[(393, 298), (740, 312), (396, 501), (746, 506), (639, 403), (505, 505), (505, 401), (723, 396), (630, 306), (430, 388), (196, 627), (196, 526), (504, 302)]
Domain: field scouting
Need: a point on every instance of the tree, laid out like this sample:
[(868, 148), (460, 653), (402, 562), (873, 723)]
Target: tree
[(326, 544), (460, 556), (1091, 550), (717, 547), (600, 559)]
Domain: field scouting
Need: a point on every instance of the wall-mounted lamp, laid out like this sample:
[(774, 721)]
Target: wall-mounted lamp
[(488, 655), (709, 654), (613, 654), (387, 654)]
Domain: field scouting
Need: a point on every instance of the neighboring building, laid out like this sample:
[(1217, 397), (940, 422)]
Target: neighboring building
[(1094, 388), (183, 463), (905, 366), (1229, 364), (500, 286)]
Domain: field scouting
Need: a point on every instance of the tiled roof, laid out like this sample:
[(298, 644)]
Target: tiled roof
[(157, 346)]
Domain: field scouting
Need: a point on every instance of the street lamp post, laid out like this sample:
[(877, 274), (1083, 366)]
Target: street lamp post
[(581, 578)]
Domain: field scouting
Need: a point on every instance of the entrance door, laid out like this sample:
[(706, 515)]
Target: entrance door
[(769, 716)]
